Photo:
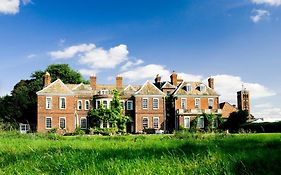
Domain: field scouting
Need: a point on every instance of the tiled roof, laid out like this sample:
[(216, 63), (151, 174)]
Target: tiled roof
[(168, 85), (57, 87), (149, 89), (182, 89)]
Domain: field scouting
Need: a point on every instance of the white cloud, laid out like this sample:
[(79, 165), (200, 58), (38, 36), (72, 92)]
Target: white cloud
[(190, 77), (9, 6), (268, 2), (31, 56), (259, 14), (99, 58), (87, 72), (146, 72), (267, 110), (228, 85), (131, 64), (72, 51), (25, 2)]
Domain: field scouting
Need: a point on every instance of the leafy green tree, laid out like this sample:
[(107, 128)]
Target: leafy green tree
[(235, 120)]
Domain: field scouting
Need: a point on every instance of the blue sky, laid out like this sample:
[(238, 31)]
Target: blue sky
[(235, 41)]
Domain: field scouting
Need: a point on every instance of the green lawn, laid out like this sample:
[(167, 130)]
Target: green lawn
[(151, 154)]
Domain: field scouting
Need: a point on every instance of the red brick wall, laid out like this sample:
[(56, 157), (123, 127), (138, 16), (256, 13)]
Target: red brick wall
[(191, 103), (150, 113)]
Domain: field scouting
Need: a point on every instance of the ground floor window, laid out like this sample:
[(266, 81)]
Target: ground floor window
[(145, 122), (201, 122), (187, 122), (155, 122), (62, 122), (83, 123), (48, 122)]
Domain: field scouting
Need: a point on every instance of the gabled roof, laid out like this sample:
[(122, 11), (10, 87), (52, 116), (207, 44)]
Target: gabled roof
[(129, 90), (168, 85), (149, 88), (57, 87), (181, 90), (82, 87)]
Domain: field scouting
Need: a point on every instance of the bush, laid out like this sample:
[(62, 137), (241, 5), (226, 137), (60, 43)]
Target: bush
[(149, 131), (79, 131)]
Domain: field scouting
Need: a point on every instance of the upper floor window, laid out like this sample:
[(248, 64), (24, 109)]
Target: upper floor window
[(183, 103), (104, 92), (210, 103), (144, 103), (105, 104), (197, 103), (87, 104), (62, 103), (202, 88), (188, 87), (48, 102), (155, 103), (129, 105), (79, 105)]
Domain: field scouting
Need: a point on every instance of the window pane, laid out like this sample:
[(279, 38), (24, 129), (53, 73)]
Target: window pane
[(62, 103), (183, 104), (201, 122), (104, 124), (144, 103), (62, 123), (83, 123), (87, 105), (155, 123), (186, 122), (155, 103), (129, 105), (145, 123), (48, 123), (79, 105), (48, 103)]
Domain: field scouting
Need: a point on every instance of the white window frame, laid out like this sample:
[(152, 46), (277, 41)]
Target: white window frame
[(183, 99), (188, 87), (78, 105), (105, 105), (60, 102), (46, 122), (203, 124), (50, 105), (87, 107), (157, 99), (147, 122), (213, 101), (202, 88), (64, 122), (184, 124), (104, 122), (122, 103), (83, 118), (154, 122), (132, 105), (98, 102), (199, 103), (143, 103)]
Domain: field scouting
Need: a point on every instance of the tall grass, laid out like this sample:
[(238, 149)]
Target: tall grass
[(154, 154)]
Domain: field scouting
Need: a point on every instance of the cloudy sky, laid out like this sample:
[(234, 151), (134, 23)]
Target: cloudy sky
[(235, 41)]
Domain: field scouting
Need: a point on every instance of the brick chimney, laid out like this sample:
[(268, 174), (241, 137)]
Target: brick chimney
[(119, 82), (157, 79), (174, 78), (211, 82), (47, 79), (93, 82)]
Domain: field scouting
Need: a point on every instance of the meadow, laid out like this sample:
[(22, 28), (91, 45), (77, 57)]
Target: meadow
[(140, 154)]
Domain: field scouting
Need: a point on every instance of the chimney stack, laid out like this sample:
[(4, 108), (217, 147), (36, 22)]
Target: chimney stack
[(174, 78), (119, 82), (47, 79), (157, 79), (93, 82), (211, 83)]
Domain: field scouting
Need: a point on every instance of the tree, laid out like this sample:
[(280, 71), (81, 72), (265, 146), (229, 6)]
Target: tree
[(235, 120), (114, 115), (21, 106)]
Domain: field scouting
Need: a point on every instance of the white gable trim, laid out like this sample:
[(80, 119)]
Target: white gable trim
[(182, 83), (41, 92), (168, 83), (148, 82), (128, 87)]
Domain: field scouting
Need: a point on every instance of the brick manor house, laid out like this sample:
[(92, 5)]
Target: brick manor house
[(65, 106)]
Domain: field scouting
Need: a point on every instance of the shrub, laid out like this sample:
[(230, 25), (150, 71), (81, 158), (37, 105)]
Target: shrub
[(79, 131)]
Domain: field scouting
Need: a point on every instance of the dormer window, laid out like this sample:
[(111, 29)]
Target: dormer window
[(188, 87), (104, 92), (202, 88)]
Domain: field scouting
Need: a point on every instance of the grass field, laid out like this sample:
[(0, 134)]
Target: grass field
[(154, 154)]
